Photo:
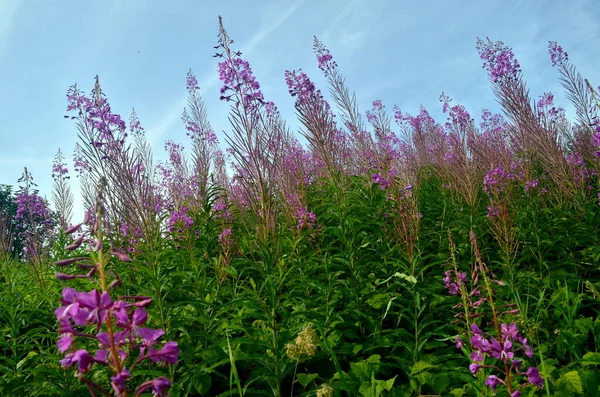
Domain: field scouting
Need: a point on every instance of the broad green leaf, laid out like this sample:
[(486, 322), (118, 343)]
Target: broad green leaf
[(305, 379), (572, 381), (457, 392), (590, 358), (420, 366)]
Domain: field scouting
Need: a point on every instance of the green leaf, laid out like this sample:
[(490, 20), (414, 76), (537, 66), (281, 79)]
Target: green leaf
[(390, 383), (202, 383), (457, 392), (23, 361), (363, 370), (590, 358), (420, 366), (440, 383), (378, 300), (572, 381), (305, 379), (590, 381)]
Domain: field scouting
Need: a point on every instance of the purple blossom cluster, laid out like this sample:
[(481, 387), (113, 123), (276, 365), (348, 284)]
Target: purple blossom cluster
[(80, 164), (180, 220), (504, 350), (493, 124), (499, 61), (116, 347), (300, 86), (597, 141), (225, 237), (59, 171), (237, 77), (496, 180), (305, 219), (324, 58), (454, 286), (579, 170), (191, 82), (328, 143), (457, 114), (377, 108), (547, 109), (105, 130), (530, 185), (557, 55), (115, 327), (381, 181)]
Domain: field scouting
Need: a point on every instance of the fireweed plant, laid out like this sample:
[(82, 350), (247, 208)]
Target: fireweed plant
[(311, 262), (497, 355), (114, 326)]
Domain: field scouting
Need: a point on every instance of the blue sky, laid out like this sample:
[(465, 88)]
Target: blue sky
[(402, 52)]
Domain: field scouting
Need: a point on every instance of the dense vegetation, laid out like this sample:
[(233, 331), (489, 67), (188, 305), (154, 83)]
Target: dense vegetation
[(455, 259)]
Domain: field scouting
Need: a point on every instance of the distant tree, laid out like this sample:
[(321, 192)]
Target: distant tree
[(9, 241), (34, 221)]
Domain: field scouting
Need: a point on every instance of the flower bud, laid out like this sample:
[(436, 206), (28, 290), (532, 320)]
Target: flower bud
[(73, 229), (69, 261), (76, 244)]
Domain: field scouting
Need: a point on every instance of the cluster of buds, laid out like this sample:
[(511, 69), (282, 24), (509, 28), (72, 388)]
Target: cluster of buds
[(325, 391), (305, 345), (116, 327), (496, 352)]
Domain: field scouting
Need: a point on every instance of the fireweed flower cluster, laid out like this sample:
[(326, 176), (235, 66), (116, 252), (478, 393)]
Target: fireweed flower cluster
[(305, 219), (180, 220), (116, 327), (496, 180), (429, 137), (499, 355), (557, 55), (361, 144), (387, 144), (104, 152), (204, 140), (105, 130), (324, 58), (581, 174), (492, 143), (460, 172), (505, 350), (257, 140), (381, 181), (326, 141), (499, 61)]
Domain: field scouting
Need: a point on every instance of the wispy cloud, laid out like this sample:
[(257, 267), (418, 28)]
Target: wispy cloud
[(7, 20), (173, 115), (341, 16), (352, 40)]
